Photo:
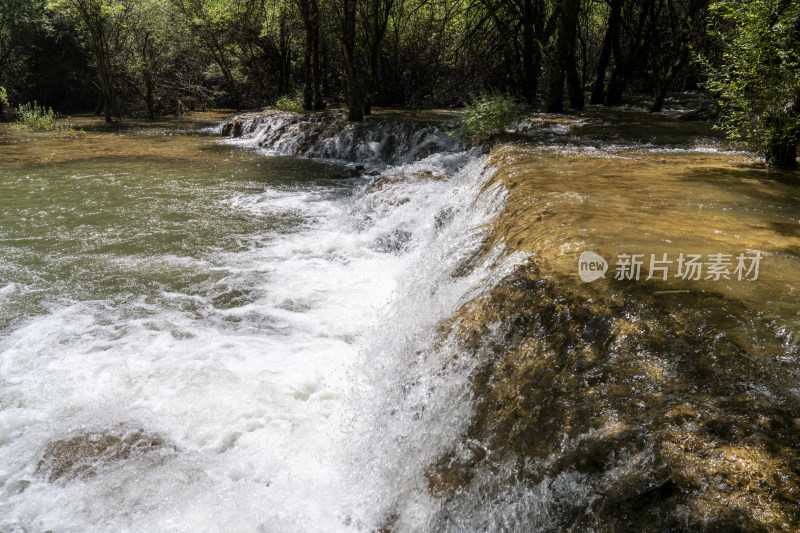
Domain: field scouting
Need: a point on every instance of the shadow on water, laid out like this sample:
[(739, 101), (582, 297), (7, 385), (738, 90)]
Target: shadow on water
[(651, 410), (632, 405)]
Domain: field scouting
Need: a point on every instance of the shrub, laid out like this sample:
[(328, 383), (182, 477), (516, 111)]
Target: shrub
[(757, 79), (288, 103), (489, 115), (3, 97), (36, 118)]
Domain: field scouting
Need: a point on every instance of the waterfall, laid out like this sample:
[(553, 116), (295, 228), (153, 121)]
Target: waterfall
[(375, 141), (366, 327)]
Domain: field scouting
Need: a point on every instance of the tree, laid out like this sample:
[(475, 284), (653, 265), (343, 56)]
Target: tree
[(102, 24), (312, 69), (356, 91), (18, 19), (148, 48), (377, 14), (524, 28), (757, 77), (641, 19), (564, 63), (682, 54), (210, 22), (248, 53), (611, 37)]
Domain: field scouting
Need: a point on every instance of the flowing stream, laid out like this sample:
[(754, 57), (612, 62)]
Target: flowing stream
[(219, 302), (246, 334)]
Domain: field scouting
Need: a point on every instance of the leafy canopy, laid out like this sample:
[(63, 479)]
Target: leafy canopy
[(758, 77)]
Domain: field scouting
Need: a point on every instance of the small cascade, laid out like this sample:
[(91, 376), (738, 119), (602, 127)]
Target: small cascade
[(413, 351), (495, 370), (375, 142)]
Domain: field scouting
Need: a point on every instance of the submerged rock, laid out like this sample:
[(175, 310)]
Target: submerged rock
[(624, 405), (392, 179), (666, 419), (82, 454)]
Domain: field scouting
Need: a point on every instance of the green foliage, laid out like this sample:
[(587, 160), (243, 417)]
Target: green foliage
[(758, 77), (3, 96), (35, 118), (489, 115), (289, 103)]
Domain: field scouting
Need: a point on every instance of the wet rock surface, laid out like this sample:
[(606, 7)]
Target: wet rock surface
[(82, 454), (627, 405), (666, 420), (383, 138)]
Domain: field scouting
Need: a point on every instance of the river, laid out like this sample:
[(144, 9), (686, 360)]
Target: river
[(201, 333)]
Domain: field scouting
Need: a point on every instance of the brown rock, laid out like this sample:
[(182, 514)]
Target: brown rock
[(80, 455)]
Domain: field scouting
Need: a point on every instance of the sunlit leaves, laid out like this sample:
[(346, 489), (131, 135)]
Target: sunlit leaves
[(489, 115), (758, 78)]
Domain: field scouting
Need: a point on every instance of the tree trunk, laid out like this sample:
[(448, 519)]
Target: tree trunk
[(371, 82), (308, 90), (312, 75), (531, 52), (367, 103), (599, 92), (644, 34), (615, 87), (782, 154), (107, 85), (564, 63), (574, 85), (355, 93), (682, 55), (355, 82), (316, 69), (98, 110), (379, 16), (151, 112), (285, 52), (105, 80), (107, 108), (373, 88)]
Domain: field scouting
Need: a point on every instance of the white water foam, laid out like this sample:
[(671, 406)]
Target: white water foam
[(313, 404), (376, 143)]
